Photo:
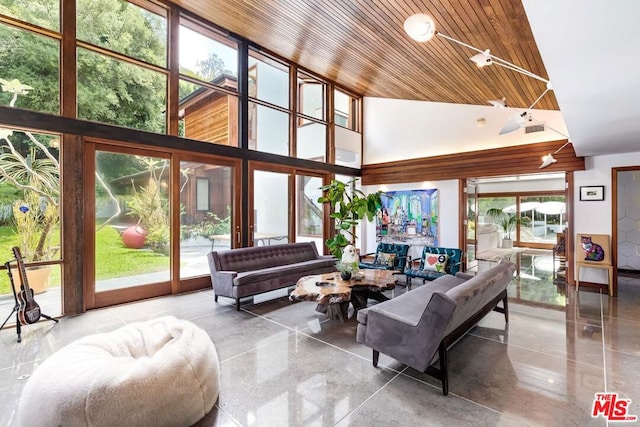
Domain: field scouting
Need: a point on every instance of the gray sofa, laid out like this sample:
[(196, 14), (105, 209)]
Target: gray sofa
[(244, 272), (418, 327)]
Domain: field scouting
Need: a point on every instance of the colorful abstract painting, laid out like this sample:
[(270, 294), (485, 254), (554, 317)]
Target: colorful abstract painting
[(409, 214)]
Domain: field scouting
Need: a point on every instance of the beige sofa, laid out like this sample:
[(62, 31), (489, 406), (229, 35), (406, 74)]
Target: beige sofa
[(488, 237), (418, 327)]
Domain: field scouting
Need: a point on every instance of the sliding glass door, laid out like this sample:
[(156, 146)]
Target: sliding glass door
[(271, 208), (284, 205), (206, 214), (131, 225), (156, 215)]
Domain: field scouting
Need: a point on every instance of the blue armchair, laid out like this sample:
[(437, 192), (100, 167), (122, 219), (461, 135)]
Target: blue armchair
[(435, 267), (388, 256)]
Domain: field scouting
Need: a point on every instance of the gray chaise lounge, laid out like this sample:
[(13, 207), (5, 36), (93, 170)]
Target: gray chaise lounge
[(244, 272), (418, 327)]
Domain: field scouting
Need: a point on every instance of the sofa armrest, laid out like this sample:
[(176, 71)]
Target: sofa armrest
[(222, 282), (409, 330)]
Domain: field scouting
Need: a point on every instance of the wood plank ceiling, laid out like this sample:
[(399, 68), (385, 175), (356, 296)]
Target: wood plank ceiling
[(361, 45)]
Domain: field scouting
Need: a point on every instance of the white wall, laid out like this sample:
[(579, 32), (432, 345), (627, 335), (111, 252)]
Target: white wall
[(595, 217), (448, 205), (397, 129)]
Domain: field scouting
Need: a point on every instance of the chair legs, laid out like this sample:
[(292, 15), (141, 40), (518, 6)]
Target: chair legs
[(376, 355)]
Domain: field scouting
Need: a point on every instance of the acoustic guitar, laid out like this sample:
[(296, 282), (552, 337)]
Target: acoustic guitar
[(29, 310)]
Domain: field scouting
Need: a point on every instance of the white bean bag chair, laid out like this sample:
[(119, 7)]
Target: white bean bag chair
[(163, 372)]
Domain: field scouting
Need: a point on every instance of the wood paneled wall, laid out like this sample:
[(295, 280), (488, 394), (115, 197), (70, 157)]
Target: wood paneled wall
[(518, 160), (209, 119)]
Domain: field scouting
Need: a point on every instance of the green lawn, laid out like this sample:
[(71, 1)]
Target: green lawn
[(113, 258)]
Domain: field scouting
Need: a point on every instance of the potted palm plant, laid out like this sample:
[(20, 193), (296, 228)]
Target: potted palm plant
[(508, 223)]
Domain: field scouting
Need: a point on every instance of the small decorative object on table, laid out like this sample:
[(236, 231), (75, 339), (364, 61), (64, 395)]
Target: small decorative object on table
[(348, 265), (347, 269)]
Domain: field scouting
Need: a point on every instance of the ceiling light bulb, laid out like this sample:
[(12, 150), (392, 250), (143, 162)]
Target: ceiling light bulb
[(498, 103), (482, 59), (420, 27), (547, 160), (514, 123)]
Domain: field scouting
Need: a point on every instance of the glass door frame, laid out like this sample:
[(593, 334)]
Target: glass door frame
[(179, 285), (174, 285), (292, 171), (93, 299), (466, 184)]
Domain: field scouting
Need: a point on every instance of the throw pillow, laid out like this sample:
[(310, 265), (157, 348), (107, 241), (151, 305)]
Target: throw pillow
[(435, 262), (385, 259)]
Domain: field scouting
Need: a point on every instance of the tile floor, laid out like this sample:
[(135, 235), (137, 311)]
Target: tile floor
[(283, 364)]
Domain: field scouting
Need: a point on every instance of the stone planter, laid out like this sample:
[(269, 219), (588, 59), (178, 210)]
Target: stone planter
[(507, 244)]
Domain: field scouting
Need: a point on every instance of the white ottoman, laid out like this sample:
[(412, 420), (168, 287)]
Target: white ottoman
[(163, 372)]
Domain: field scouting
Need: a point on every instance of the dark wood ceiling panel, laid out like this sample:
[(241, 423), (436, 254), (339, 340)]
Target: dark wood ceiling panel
[(361, 45)]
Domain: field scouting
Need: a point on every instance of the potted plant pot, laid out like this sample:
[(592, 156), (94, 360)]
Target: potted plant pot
[(39, 278), (345, 275)]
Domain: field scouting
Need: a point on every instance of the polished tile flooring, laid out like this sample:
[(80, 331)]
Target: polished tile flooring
[(283, 364)]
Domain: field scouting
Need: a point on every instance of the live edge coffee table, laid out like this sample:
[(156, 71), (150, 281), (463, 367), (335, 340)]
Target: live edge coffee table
[(334, 294)]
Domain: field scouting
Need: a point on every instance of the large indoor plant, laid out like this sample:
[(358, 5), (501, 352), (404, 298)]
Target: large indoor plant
[(506, 221), (348, 206)]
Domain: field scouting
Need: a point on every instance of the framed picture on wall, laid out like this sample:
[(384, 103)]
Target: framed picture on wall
[(590, 193)]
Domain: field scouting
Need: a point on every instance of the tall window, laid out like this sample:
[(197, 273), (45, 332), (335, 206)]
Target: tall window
[(125, 81), (30, 58), (348, 136), (346, 110), (269, 116), (30, 206), (208, 94), (312, 124), (206, 204)]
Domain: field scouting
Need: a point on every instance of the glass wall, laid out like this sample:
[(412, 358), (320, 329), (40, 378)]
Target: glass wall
[(545, 218), (43, 13), (312, 123), (132, 220), (346, 110), (30, 211), (205, 214), (270, 208), (269, 116), (124, 82), (208, 89), (121, 77), (110, 90), (29, 70), (526, 220), (309, 213), (124, 28)]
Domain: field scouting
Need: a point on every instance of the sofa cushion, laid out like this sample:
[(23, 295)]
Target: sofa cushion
[(435, 262), (478, 291), (265, 274), (384, 259), (256, 258), (416, 300)]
